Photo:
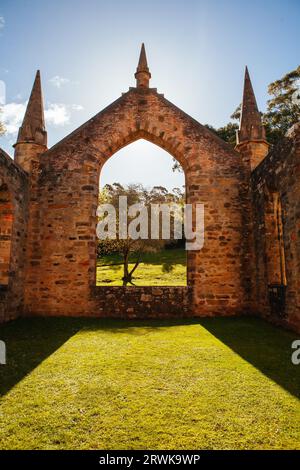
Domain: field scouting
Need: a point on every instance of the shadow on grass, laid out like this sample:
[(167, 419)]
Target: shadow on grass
[(266, 347), (30, 341)]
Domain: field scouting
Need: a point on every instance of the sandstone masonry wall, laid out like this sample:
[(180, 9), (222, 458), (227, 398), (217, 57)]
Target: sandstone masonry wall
[(143, 302), (279, 172), (60, 279), (52, 269), (12, 294)]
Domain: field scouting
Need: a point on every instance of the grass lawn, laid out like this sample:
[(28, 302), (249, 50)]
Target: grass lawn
[(218, 383), (164, 268)]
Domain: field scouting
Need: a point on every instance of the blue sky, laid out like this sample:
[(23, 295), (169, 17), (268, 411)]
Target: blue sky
[(88, 50)]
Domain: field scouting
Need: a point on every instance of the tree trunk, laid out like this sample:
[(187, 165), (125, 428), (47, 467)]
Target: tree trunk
[(127, 277), (125, 268)]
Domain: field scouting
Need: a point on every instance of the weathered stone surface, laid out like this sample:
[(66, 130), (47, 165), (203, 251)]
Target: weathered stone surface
[(13, 227), (142, 302), (32, 136), (251, 136), (53, 244), (66, 224), (279, 173)]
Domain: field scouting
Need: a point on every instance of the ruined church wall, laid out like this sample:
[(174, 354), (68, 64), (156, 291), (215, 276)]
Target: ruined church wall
[(62, 247), (279, 173), (12, 293)]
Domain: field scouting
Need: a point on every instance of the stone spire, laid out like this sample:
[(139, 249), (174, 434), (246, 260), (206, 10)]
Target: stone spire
[(32, 136), (251, 127), (33, 126), (142, 74), (251, 137)]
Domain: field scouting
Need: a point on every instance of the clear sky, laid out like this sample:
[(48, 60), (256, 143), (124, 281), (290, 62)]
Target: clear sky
[(88, 50)]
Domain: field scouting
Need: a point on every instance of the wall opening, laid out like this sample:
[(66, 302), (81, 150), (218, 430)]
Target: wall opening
[(6, 224), (143, 173), (275, 253)]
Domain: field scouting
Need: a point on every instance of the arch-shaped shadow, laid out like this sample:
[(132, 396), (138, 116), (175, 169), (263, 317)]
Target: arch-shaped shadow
[(268, 348), (265, 346), (30, 341)]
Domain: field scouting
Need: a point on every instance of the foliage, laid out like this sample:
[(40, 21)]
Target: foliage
[(176, 166), (135, 193), (284, 106), (2, 127), (162, 268), (227, 133), (282, 112)]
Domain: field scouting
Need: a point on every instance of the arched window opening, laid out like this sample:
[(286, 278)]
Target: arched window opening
[(274, 240), (141, 173), (275, 253), (6, 223)]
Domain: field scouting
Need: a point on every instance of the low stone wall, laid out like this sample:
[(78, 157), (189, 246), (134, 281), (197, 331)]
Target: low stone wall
[(142, 302)]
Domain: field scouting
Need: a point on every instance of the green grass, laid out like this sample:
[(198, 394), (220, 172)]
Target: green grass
[(164, 268), (218, 383)]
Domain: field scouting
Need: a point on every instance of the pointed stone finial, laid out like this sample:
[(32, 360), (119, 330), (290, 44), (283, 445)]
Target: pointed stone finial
[(251, 127), (251, 136), (32, 137), (142, 74), (33, 127)]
